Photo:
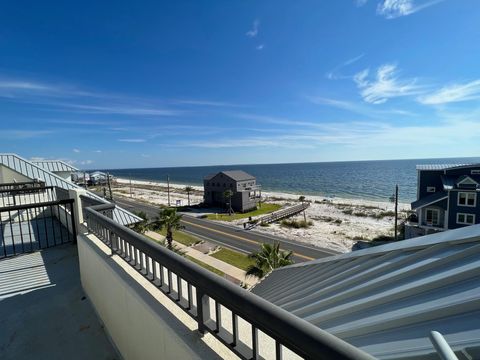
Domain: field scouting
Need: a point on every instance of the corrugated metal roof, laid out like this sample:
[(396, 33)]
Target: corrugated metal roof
[(34, 171), (54, 165), (387, 299), (439, 166), (430, 199)]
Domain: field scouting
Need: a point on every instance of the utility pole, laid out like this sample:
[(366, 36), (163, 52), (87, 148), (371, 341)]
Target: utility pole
[(168, 189), (396, 212), (109, 187), (130, 185), (394, 199)]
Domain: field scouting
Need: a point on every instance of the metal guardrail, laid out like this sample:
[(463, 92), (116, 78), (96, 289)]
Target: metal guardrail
[(194, 289), (30, 227), (21, 185), (27, 195), (441, 346)]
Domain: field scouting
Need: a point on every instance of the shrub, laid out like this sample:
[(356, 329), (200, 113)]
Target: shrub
[(347, 211), (296, 224), (264, 224)]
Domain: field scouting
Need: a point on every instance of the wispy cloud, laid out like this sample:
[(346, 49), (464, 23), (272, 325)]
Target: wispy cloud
[(392, 9), (360, 3), (132, 140), (253, 32), (385, 85), (334, 73), (76, 150), (453, 93), (13, 134), (200, 102), (123, 110), (260, 47)]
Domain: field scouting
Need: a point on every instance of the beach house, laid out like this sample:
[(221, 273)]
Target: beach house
[(245, 191), (447, 198)]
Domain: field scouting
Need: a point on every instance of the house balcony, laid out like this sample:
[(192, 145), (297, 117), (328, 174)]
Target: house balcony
[(116, 294)]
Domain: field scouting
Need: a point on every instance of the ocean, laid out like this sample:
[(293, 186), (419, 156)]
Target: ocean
[(371, 180)]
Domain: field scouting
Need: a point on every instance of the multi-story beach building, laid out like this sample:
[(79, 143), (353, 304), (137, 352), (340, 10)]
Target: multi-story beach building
[(447, 198), (245, 191)]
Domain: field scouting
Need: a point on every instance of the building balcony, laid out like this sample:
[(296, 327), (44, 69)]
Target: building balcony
[(122, 295)]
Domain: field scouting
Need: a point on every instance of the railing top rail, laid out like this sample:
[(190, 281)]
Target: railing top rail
[(295, 333), (23, 183), (27, 189), (36, 205)]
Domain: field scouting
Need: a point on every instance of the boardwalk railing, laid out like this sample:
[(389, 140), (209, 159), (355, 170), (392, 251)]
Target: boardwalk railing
[(283, 213), (30, 227), (248, 325)]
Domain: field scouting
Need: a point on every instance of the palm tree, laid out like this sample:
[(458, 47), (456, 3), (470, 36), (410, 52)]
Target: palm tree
[(227, 194), (143, 225), (268, 258), (188, 189), (168, 219)]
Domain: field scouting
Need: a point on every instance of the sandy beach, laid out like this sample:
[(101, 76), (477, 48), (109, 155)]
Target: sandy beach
[(337, 223)]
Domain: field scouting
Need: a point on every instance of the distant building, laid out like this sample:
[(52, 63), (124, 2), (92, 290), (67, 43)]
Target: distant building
[(447, 198), (246, 192)]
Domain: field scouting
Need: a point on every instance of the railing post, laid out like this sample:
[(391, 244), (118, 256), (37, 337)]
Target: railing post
[(202, 300), (74, 225)]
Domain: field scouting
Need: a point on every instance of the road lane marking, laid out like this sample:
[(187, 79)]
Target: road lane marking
[(239, 237)]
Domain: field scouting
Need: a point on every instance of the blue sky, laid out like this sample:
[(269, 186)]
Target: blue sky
[(117, 84)]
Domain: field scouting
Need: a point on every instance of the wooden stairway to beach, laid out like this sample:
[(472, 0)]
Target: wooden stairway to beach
[(283, 213)]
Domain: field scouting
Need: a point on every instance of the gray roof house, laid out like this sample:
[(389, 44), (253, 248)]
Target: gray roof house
[(386, 300), (447, 198), (246, 192)]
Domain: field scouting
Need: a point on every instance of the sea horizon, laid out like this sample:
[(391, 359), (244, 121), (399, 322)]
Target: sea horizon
[(361, 179)]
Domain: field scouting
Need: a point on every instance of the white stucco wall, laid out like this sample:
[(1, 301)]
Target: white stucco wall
[(142, 322), (8, 175)]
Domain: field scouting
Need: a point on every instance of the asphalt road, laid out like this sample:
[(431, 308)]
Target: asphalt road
[(231, 236)]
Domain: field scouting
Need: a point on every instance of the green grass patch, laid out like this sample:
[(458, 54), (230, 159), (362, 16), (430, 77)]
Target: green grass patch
[(265, 209), (234, 258), (182, 237), (206, 266)]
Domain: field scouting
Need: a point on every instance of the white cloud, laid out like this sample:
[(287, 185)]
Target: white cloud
[(132, 140), (123, 110), (385, 85), (76, 150), (361, 2), (453, 93), (85, 162), (253, 32), (334, 73), (260, 47), (392, 9), (98, 151)]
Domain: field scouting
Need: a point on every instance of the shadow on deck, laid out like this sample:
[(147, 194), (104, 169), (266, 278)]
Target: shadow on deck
[(43, 309)]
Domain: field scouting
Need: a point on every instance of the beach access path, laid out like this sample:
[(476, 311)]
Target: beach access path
[(232, 237), (228, 269)]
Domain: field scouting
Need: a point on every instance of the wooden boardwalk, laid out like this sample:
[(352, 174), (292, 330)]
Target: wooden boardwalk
[(283, 213)]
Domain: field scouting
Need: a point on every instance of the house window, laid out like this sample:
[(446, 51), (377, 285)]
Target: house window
[(430, 188), (465, 219), (467, 199), (432, 216), (475, 172)]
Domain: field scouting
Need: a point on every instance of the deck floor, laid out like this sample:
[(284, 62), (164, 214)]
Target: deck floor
[(38, 233), (43, 310)]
